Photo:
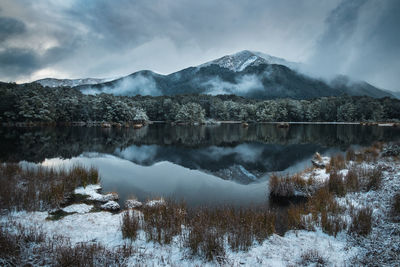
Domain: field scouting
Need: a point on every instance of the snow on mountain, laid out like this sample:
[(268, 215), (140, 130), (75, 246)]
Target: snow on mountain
[(239, 61), (52, 82)]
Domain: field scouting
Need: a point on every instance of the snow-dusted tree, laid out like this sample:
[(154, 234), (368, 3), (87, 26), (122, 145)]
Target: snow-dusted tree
[(169, 109), (346, 112), (140, 115), (294, 109), (190, 112)]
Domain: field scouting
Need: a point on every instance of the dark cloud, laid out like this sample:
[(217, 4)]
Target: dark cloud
[(21, 61), (10, 27), (361, 40)]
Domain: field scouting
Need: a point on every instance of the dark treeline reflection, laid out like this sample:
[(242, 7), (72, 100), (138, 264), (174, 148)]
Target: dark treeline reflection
[(257, 149), (36, 144)]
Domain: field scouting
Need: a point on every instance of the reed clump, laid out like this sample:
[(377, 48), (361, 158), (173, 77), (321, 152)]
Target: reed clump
[(361, 223), (40, 188), (164, 221), (336, 162), (130, 225)]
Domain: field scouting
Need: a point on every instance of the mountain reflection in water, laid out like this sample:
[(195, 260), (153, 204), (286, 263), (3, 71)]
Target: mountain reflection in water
[(185, 161)]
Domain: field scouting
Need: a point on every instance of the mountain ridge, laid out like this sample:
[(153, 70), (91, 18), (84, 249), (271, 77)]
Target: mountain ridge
[(246, 73)]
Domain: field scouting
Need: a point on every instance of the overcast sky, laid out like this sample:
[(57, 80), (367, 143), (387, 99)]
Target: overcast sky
[(104, 38)]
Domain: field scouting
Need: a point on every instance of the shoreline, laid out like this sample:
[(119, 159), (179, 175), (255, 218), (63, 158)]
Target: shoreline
[(341, 247), (207, 123)]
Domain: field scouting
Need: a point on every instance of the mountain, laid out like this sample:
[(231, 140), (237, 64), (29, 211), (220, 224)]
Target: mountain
[(241, 60), (52, 82), (246, 73)]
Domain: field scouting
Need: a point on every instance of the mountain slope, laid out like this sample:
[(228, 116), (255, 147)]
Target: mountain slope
[(246, 73)]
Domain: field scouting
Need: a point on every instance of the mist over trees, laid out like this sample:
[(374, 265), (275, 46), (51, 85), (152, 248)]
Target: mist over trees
[(34, 103)]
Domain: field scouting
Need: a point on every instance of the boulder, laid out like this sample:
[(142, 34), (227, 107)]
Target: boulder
[(155, 203), (109, 197), (110, 206), (133, 204), (318, 161)]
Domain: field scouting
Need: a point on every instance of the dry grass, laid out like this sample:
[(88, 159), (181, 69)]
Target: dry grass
[(320, 210), (350, 155), (40, 188), (361, 178), (206, 228), (312, 258), (288, 185), (336, 162), (336, 184), (361, 222), (30, 247), (130, 225), (369, 154), (162, 222)]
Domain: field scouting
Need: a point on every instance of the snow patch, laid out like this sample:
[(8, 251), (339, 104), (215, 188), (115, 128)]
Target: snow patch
[(155, 202), (92, 192), (133, 203), (78, 208), (110, 206)]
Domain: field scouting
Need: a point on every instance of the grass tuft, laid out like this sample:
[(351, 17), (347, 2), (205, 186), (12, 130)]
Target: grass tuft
[(40, 188)]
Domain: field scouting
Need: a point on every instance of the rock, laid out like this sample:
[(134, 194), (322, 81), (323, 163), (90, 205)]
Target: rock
[(54, 211), (283, 125), (110, 206), (110, 197), (133, 204), (155, 203), (318, 161)]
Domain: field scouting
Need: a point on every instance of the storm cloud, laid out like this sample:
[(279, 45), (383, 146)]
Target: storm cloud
[(76, 39)]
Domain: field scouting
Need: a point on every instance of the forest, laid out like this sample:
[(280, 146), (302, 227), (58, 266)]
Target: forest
[(35, 103)]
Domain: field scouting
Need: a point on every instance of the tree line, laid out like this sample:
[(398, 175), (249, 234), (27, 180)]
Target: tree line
[(35, 103)]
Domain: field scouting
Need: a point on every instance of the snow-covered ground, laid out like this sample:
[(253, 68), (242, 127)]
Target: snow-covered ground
[(381, 247), (104, 227)]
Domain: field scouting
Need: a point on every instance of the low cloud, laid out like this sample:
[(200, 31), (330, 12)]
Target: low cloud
[(129, 86), (361, 40), (243, 85)]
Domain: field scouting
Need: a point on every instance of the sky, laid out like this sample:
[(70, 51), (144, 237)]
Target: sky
[(104, 39)]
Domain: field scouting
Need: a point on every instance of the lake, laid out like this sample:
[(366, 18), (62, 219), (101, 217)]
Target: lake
[(204, 165)]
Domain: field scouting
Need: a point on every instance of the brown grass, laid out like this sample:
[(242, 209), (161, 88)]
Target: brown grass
[(130, 225), (30, 247), (162, 222), (312, 258), (336, 184), (336, 163), (350, 155), (361, 222), (361, 178), (287, 185), (40, 188)]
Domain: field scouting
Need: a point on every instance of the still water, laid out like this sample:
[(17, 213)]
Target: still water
[(204, 165)]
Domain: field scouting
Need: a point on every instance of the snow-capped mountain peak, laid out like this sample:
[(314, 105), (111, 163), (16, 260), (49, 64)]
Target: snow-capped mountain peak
[(239, 61)]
